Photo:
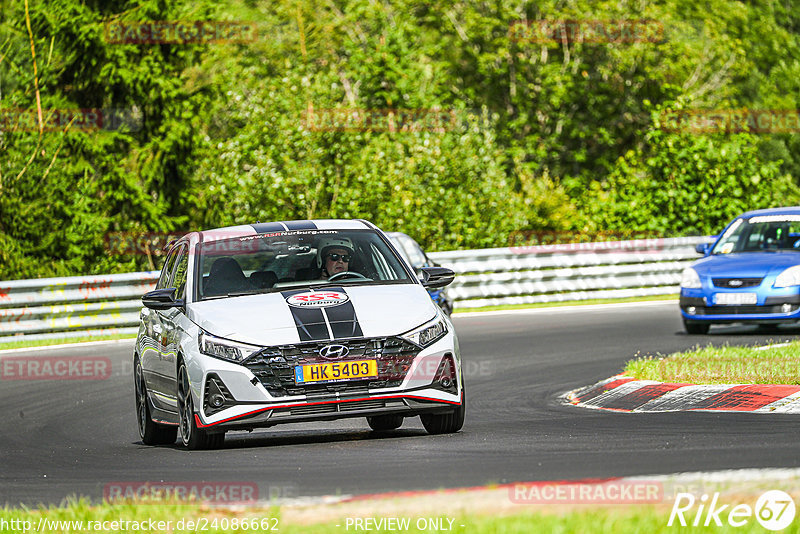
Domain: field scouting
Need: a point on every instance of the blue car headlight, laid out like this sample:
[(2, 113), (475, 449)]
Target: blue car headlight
[(690, 279), (224, 349), (428, 333), (789, 277)]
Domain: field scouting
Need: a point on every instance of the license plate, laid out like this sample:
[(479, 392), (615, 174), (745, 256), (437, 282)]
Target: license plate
[(334, 371), (735, 298)]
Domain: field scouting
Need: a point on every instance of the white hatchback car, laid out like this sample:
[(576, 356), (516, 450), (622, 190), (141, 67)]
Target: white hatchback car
[(255, 325)]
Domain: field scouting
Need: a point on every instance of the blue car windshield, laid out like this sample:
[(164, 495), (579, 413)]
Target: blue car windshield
[(760, 233)]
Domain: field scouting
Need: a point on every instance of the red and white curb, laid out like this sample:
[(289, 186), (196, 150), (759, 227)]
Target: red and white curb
[(624, 394)]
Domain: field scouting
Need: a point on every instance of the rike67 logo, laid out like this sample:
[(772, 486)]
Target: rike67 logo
[(774, 510)]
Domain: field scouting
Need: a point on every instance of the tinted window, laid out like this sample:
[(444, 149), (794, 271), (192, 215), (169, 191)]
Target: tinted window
[(178, 279), (166, 271), (294, 259), (761, 233)]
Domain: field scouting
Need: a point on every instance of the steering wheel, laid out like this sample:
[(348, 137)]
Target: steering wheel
[(347, 274)]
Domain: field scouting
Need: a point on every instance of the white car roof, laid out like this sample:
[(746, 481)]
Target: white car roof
[(244, 230)]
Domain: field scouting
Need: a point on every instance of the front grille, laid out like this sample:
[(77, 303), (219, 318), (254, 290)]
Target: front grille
[(274, 366), (335, 407), (362, 405), (310, 410), (736, 283)]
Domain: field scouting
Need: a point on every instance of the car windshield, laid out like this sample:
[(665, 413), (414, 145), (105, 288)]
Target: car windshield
[(295, 259), (761, 233)]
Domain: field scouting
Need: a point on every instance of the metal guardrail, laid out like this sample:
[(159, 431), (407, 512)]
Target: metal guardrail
[(97, 305), (568, 272), (47, 308)]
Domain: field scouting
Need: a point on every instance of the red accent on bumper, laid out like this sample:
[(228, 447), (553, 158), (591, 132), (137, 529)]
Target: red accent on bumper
[(261, 410)]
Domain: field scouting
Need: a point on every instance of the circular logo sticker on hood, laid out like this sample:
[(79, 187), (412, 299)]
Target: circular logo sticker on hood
[(317, 299)]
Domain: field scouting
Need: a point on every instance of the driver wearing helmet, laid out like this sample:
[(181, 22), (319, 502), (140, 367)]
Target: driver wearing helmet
[(334, 255)]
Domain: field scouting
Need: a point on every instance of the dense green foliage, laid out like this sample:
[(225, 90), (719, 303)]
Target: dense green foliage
[(552, 135)]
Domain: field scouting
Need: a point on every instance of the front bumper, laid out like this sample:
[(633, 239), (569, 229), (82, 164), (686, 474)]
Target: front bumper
[(770, 309), (328, 410), (262, 393)]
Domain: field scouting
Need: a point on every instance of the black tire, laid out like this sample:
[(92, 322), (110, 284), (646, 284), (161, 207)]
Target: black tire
[(696, 328), (192, 437), (151, 432), (446, 423), (385, 422)]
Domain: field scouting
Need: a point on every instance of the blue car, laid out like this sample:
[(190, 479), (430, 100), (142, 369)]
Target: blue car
[(412, 252), (750, 274)]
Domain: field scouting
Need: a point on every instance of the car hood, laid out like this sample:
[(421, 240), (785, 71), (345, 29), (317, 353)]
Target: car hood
[(268, 319), (746, 264)]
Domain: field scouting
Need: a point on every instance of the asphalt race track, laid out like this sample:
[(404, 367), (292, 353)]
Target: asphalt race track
[(67, 437)]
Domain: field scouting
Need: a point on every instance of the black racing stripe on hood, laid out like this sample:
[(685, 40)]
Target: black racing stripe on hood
[(344, 322), (310, 322), (300, 225), (263, 228)]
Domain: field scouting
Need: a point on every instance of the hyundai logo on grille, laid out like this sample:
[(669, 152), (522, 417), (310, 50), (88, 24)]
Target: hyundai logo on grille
[(334, 352), (735, 283)]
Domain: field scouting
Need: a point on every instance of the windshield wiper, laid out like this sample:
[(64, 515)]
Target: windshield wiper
[(234, 294)]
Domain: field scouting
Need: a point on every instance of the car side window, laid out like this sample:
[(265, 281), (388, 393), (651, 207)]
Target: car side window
[(415, 254), (179, 278), (166, 271)]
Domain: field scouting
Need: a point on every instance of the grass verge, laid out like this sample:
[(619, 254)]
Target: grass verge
[(777, 364), (24, 344), (565, 303)]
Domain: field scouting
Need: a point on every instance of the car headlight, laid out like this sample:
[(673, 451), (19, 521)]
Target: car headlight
[(690, 279), (224, 349), (789, 277), (428, 333)]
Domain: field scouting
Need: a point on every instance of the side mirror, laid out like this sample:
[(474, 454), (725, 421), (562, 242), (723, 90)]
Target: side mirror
[(703, 248), (161, 299), (433, 277)]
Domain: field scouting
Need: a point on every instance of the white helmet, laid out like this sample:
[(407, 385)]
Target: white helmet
[(332, 242)]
